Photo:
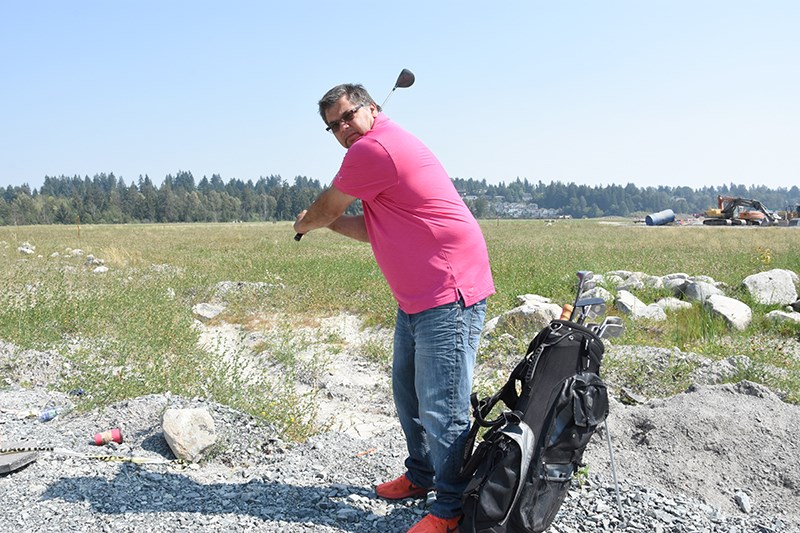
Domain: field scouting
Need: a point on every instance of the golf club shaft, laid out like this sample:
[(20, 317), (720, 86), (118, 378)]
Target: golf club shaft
[(582, 276)]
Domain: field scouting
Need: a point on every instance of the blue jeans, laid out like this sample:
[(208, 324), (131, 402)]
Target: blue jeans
[(434, 358)]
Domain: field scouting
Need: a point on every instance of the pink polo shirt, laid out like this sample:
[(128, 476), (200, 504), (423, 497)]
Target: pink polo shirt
[(426, 242)]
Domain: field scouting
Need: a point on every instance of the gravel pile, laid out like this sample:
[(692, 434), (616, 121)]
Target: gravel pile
[(720, 458)]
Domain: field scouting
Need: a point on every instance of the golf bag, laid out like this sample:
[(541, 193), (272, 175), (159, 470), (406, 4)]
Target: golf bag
[(520, 472)]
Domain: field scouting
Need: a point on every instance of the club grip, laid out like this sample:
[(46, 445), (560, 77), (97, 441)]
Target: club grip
[(298, 236)]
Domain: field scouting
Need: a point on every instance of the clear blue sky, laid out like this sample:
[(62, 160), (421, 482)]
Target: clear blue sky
[(678, 92)]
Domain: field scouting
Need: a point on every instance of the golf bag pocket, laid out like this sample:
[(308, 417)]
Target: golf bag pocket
[(502, 460), (582, 405), (543, 496)]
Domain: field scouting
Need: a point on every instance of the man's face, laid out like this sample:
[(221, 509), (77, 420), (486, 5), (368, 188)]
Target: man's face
[(349, 131)]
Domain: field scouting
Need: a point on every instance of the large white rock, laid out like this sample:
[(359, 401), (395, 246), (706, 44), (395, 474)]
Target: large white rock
[(737, 314), (673, 304), (629, 304), (775, 286), (533, 315), (189, 432)]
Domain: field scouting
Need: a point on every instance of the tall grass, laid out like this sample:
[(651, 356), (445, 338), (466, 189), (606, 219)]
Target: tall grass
[(129, 330)]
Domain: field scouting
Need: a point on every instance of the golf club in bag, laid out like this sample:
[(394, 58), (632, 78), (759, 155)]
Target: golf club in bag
[(404, 80)]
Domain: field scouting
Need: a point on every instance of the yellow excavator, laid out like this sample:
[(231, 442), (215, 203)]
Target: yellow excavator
[(738, 212)]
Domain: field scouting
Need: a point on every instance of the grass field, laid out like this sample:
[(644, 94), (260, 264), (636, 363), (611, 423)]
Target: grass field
[(138, 315)]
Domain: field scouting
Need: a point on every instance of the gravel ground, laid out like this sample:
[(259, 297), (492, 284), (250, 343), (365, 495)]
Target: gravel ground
[(718, 458)]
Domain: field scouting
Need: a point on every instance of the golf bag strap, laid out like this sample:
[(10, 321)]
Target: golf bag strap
[(472, 459), (481, 408)]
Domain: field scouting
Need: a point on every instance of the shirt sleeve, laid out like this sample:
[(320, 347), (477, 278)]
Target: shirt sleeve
[(366, 171)]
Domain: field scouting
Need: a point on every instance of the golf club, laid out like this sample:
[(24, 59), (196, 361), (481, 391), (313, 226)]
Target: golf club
[(404, 80), (607, 320), (611, 327), (583, 277), (590, 308)]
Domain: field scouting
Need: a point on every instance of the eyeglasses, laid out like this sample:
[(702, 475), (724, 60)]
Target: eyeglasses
[(347, 116)]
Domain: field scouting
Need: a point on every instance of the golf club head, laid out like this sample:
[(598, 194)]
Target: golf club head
[(405, 79), (611, 331), (593, 311)]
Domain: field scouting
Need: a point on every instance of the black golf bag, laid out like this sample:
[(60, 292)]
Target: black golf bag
[(520, 472)]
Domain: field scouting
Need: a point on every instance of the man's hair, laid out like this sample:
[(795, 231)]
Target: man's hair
[(355, 92)]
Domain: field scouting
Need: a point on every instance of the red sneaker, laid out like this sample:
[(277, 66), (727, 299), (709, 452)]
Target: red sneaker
[(434, 524), (400, 489)]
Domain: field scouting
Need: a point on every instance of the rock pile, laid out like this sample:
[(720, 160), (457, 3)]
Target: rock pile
[(773, 287)]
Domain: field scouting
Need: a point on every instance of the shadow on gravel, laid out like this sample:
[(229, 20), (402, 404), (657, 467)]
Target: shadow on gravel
[(135, 490)]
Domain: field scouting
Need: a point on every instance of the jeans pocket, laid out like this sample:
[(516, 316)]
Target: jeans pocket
[(477, 313)]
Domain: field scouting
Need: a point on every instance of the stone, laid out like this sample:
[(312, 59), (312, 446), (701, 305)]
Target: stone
[(783, 317), (208, 310), (533, 315), (743, 501), (737, 314), (699, 291), (599, 292), (189, 432), (10, 462), (775, 286), (629, 304), (673, 304)]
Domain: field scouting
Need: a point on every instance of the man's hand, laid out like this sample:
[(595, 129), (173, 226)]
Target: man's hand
[(298, 235), (297, 220)]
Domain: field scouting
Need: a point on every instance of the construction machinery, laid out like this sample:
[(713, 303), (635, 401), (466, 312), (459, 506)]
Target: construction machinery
[(791, 215), (738, 212)]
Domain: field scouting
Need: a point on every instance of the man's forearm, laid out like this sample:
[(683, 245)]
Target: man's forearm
[(328, 207), (351, 226)]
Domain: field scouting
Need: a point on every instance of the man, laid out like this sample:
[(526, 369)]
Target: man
[(433, 255)]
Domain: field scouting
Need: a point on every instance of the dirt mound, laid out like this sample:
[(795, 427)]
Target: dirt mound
[(710, 442)]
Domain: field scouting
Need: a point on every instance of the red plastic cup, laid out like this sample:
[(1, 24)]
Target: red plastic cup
[(105, 437)]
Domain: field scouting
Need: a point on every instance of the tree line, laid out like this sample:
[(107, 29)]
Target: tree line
[(579, 201), (107, 199)]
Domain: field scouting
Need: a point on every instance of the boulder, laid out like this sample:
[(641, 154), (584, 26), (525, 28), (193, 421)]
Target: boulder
[(673, 304), (533, 315), (700, 291), (613, 279), (737, 314), (629, 304), (782, 317), (772, 287), (676, 285), (674, 276), (599, 292), (189, 432)]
